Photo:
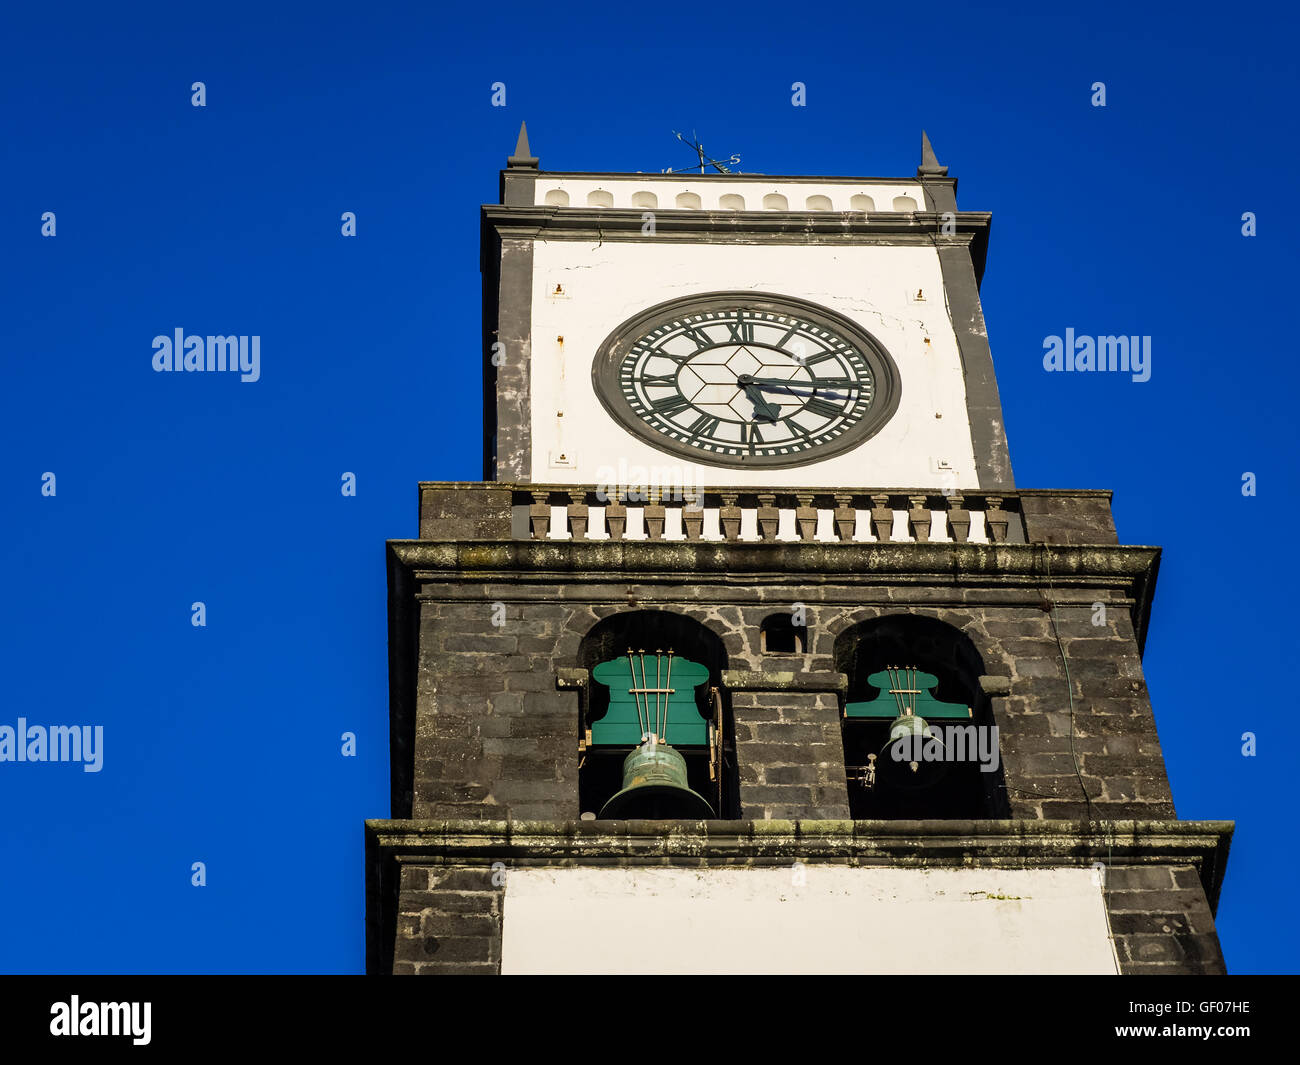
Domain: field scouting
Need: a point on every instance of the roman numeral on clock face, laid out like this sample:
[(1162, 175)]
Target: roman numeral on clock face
[(704, 425), (823, 408), (742, 331), (669, 406), (781, 343), (700, 340)]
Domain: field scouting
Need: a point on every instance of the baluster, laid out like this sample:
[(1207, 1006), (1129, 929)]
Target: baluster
[(654, 514), (996, 519), (615, 515), (578, 512), (846, 518), (882, 518), (769, 517), (729, 516), (958, 518), (805, 517), (693, 514), (539, 515), (918, 519)]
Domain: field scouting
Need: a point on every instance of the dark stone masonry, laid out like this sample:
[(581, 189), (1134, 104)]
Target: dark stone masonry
[(489, 675), (445, 888)]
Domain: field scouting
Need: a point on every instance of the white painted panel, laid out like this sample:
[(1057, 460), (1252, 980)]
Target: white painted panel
[(837, 920), (712, 524), (900, 531), (559, 525), (826, 526), (786, 526), (862, 531), (939, 527), (608, 282), (673, 528)]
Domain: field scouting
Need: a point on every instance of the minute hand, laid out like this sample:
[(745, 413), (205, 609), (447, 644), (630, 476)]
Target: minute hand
[(821, 382)]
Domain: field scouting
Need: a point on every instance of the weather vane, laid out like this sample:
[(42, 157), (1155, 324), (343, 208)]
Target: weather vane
[(704, 161)]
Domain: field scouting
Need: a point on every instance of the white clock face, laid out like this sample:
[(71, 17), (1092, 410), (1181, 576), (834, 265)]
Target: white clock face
[(746, 380)]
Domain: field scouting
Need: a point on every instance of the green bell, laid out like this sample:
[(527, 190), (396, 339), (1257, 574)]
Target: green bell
[(913, 731), (655, 788)]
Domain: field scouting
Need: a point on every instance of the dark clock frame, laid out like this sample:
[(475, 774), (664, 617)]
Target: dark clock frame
[(605, 375)]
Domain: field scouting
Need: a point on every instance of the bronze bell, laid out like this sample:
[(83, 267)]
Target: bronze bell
[(908, 735), (911, 731), (655, 788)]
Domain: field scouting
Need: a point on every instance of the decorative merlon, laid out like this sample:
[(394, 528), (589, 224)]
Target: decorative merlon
[(523, 157)]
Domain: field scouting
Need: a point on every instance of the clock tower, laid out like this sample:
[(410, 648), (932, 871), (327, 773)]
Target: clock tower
[(748, 624), (789, 331)]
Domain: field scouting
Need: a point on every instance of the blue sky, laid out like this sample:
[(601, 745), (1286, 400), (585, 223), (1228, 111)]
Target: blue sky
[(222, 742)]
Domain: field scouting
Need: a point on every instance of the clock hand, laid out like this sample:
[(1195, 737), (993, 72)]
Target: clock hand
[(826, 382), (762, 408), (806, 391)]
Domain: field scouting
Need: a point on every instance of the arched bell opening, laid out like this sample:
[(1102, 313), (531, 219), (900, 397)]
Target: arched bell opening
[(918, 733), (656, 738)]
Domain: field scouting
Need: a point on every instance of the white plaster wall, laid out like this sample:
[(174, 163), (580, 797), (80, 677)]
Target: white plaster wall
[(710, 191), (840, 921), (604, 284)]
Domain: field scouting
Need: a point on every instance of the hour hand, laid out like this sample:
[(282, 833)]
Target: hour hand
[(762, 408)]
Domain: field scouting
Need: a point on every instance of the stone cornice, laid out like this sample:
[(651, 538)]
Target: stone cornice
[(1201, 844), (781, 227), (1130, 569), (687, 177), (814, 490), (1034, 563)]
